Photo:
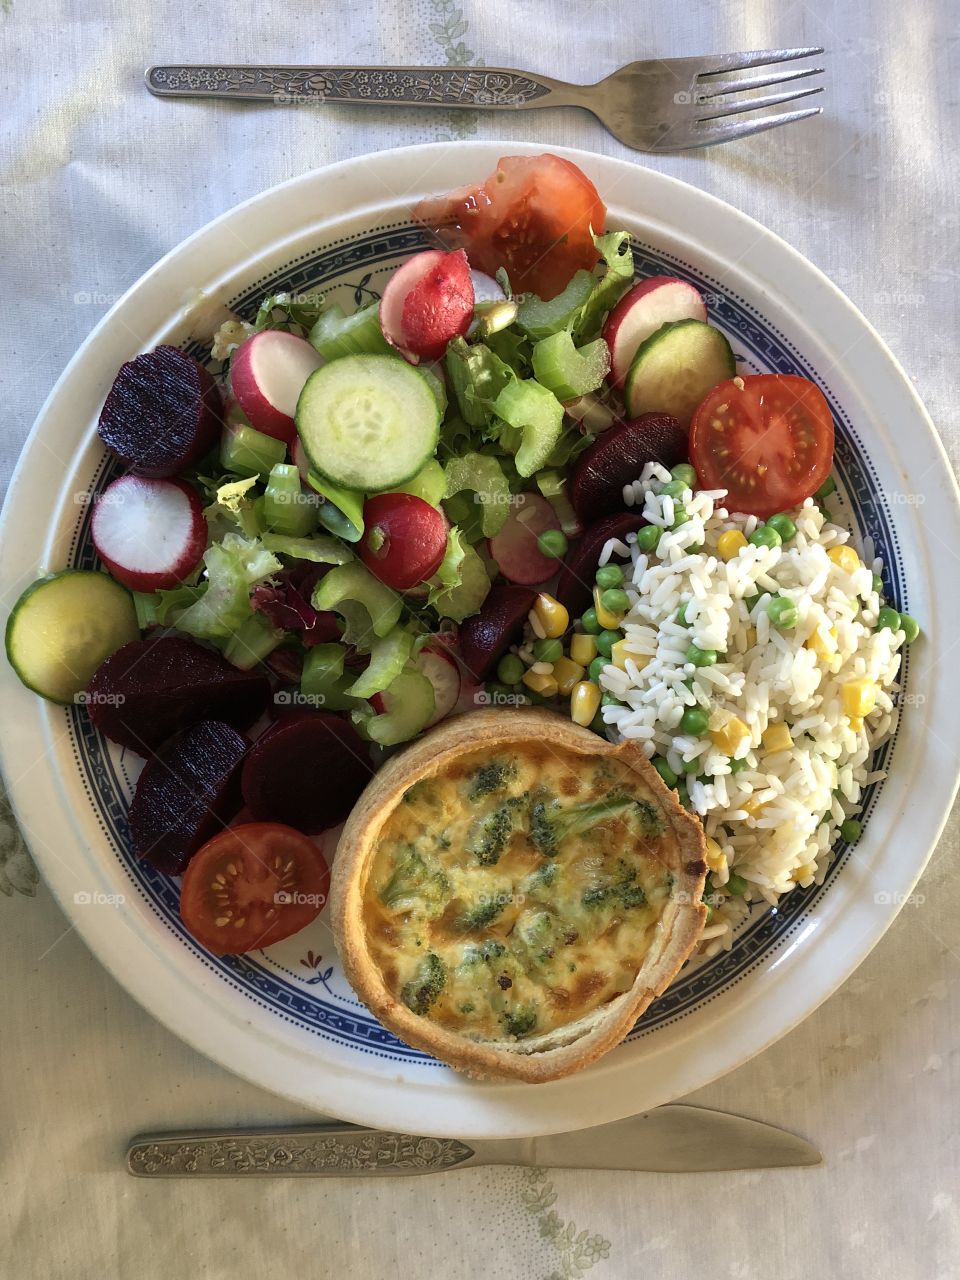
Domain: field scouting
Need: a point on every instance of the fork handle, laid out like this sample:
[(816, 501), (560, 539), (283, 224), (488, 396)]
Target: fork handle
[(487, 88)]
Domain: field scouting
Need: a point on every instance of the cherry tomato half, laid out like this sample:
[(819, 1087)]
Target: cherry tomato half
[(251, 886), (404, 539), (767, 439), (533, 215)]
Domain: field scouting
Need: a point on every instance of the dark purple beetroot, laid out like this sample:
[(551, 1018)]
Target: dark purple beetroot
[(486, 637), (575, 584), (307, 770), (153, 688), (163, 412), (188, 791), (617, 458)]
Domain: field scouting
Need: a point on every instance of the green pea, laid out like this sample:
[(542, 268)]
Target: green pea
[(878, 584), (829, 486), (499, 693), (686, 474), (683, 795), (765, 536), (910, 627), (510, 669), (782, 613), (598, 724), (609, 575), (665, 772), (752, 601), (610, 700), (672, 489), (615, 599), (605, 642), (888, 618), (694, 548), (552, 543), (648, 537), (738, 766), (596, 666), (547, 650), (736, 886), (694, 721), (701, 657), (589, 622), (850, 830), (783, 525), (709, 913), (680, 516), (682, 614), (691, 766)]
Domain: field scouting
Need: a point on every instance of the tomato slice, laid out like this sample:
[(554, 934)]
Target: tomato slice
[(767, 439), (533, 215), (251, 886)]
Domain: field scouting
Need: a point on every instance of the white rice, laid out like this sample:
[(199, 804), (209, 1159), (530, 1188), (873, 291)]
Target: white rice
[(777, 820)]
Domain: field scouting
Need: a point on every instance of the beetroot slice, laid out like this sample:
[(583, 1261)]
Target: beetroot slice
[(485, 637), (186, 793), (162, 413), (308, 771), (575, 584), (153, 688), (618, 457)]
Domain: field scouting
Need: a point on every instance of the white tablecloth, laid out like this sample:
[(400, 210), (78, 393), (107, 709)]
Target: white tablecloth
[(99, 180)]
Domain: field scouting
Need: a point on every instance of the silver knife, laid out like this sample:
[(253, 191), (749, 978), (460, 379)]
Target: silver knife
[(671, 1139)]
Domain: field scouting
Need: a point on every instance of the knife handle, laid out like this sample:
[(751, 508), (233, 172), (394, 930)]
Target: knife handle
[(329, 1150)]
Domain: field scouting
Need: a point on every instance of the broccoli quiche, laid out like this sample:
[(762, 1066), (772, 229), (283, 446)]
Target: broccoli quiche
[(510, 892)]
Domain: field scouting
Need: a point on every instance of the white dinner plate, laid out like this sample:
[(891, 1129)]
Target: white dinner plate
[(285, 1019)]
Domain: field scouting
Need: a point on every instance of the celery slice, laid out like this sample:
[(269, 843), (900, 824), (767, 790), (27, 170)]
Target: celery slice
[(287, 508), (566, 371), (537, 413), (335, 334), (388, 656), (368, 606)]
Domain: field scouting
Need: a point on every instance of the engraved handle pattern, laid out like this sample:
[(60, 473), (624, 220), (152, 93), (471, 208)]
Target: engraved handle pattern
[(347, 1152), (424, 86)]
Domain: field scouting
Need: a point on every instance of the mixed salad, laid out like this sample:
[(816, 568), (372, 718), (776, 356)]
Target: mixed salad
[(350, 526)]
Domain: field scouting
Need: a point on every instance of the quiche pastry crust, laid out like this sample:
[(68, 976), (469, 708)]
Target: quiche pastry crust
[(574, 1045)]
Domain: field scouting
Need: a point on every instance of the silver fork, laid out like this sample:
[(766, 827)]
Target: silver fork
[(669, 104)]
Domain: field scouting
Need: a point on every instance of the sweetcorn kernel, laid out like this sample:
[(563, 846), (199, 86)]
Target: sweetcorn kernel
[(583, 648), (776, 737), (730, 544), (551, 615), (567, 673), (621, 651), (858, 698), (818, 644), (541, 682), (609, 621), (716, 858), (584, 702), (729, 735), (845, 558)]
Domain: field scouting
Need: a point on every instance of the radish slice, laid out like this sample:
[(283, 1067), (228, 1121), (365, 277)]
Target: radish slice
[(267, 375), (426, 302), (515, 547), (641, 312), (149, 533), (441, 670), (485, 289)]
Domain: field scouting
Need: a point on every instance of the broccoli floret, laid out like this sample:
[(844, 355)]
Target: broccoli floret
[(545, 877), (624, 892), (650, 818), (543, 835), (520, 1022), (413, 879), (549, 824), (490, 777), (426, 984), (488, 834), (482, 953), (483, 912)]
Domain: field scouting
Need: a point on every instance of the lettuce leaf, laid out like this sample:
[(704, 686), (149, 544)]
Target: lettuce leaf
[(482, 475), (295, 312), (233, 566), (617, 253), (460, 585), (477, 376)]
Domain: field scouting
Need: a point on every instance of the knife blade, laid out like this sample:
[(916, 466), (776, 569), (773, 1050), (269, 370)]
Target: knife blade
[(676, 1138)]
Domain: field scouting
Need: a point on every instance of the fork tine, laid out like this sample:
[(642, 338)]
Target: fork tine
[(713, 63), (724, 109), (714, 88), (715, 131)]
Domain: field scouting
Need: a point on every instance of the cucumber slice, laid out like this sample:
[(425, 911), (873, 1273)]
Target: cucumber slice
[(64, 626), (368, 422), (676, 367)]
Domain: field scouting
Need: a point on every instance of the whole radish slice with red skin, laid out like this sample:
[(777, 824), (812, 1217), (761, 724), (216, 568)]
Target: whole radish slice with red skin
[(404, 539), (515, 546), (574, 587), (188, 791), (307, 770), (153, 688), (440, 668), (163, 412), (617, 458), (426, 302), (149, 533), (267, 374), (485, 637), (640, 313)]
